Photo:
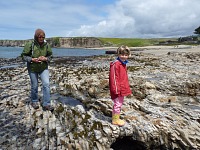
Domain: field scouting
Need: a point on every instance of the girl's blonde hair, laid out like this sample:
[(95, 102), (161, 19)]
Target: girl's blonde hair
[(123, 50)]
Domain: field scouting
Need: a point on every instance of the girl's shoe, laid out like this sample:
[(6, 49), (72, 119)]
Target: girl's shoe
[(117, 121)]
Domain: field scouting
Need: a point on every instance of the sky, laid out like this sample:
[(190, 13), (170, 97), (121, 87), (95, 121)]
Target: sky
[(99, 18)]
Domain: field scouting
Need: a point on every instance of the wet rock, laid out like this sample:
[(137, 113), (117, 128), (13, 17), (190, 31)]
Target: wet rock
[(162, 113)]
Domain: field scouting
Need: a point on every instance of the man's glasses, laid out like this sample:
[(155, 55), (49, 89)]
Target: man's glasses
[(41, 37)]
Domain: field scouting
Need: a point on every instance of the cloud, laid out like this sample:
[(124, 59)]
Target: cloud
[(141, 18), (100, 18), (20, 19)]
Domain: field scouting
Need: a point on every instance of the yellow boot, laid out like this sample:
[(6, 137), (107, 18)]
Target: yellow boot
[(116, 120)]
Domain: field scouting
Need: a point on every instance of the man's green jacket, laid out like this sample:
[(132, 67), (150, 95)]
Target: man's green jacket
[(34, 50)]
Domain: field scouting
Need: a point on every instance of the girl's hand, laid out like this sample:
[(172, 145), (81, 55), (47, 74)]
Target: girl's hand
[(129, 96)]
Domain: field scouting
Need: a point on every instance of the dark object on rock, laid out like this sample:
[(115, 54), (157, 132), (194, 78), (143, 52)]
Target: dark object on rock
[(111, 52), (48, 107)]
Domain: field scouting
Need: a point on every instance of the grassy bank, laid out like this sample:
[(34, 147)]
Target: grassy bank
[(133, 42)]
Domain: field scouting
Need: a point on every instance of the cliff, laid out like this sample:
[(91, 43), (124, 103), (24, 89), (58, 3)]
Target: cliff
[(77, 42)]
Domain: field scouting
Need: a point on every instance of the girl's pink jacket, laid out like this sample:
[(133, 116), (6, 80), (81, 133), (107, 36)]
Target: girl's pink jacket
[(118, 80)]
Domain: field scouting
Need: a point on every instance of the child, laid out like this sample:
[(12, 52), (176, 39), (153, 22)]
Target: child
[(118, 82)]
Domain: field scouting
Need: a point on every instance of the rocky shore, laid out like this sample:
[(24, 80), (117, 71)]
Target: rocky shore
[(163, 112)]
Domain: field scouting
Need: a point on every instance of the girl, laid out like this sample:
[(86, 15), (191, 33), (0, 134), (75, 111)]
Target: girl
[(118, 83)]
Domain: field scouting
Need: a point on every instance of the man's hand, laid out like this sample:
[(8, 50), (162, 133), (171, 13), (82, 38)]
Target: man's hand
[(36, 60), (42, 58)]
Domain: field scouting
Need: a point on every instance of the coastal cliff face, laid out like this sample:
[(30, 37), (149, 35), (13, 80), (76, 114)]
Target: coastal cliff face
[(78, 42), (13, 43), (162, 114)]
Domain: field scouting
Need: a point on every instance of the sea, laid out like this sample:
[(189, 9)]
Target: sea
[(14, 52)]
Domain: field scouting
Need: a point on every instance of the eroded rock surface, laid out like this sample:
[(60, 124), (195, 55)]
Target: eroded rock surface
[(162, 113)]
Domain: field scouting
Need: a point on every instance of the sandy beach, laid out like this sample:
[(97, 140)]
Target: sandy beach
[(159, 50), (162, 50)]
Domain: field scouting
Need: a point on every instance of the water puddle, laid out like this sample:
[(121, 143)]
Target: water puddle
[(193, 107), (66, 100), (9, 66), (194, 76)]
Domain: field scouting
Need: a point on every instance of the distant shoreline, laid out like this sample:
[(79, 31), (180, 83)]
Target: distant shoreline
[(154, 49), (166, 49)]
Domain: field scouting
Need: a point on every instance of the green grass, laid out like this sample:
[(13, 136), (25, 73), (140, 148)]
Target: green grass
[(132, 42)]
